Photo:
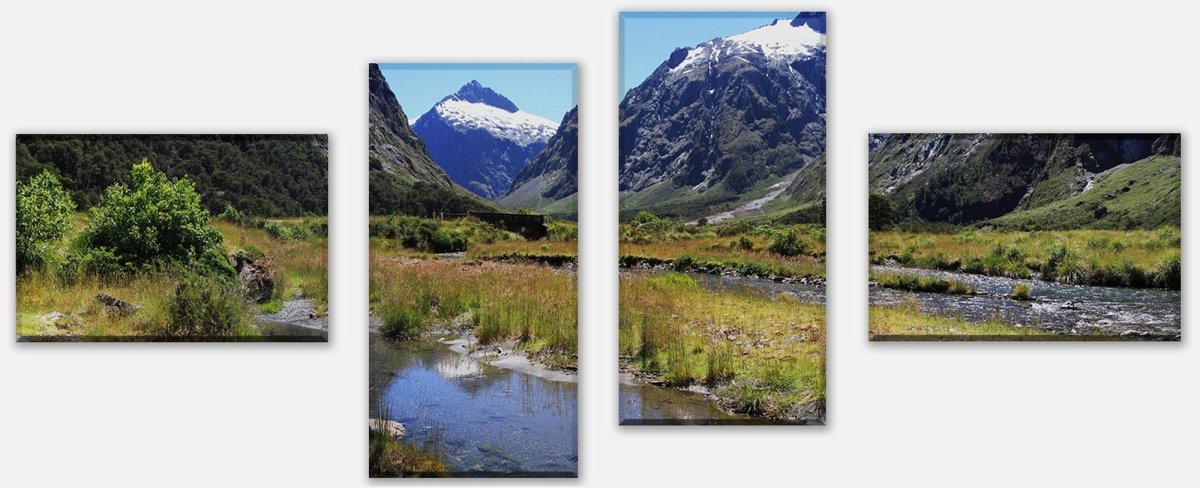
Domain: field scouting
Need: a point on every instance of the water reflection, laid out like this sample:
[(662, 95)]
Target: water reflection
[(485, 420)]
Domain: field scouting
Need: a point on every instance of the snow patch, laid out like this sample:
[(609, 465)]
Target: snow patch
[(520, 127)]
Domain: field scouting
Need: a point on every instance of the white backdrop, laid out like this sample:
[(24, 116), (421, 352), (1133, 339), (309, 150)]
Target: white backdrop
[(902, 414)]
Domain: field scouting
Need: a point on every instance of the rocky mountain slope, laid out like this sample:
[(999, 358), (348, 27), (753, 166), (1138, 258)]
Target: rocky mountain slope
[(972, 178), (714, 123), (481, 139), (552, 175), (404, 178)]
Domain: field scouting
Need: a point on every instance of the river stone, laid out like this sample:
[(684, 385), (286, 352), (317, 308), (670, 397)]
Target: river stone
[(116, 305), (258, 281), (390, 427)]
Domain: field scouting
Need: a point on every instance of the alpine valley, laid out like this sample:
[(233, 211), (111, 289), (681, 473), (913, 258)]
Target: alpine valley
[(473, 294), (1025, 236), (722, 211), (474, 150)]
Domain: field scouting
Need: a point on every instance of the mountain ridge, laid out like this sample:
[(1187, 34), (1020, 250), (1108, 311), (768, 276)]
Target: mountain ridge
[(713, 121)]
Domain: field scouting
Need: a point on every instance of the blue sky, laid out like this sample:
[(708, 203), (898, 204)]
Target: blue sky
[(647, 38), (547, 90)]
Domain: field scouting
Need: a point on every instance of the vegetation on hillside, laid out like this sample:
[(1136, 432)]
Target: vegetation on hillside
[(263, 175)]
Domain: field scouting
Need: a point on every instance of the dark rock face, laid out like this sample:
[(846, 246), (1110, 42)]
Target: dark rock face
[(116, 306), (258, 280), (395, 148), (477, 93), (725, 114), (403, 177), (967, 178), (557, 165)]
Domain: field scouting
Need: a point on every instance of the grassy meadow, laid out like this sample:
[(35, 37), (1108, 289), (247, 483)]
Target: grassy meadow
[(1129, 258), (299, 264), (760, 355), (498, 287), (909, 322), (762, 250)]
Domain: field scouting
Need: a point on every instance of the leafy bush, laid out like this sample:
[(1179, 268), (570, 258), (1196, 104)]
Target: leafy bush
[(1022, 291), (647, 228), (562, 231), (43, 212), (205, 306), (99, 262), (287, 231), (233, 216), (788, 243), (155, 221), (419, 234)]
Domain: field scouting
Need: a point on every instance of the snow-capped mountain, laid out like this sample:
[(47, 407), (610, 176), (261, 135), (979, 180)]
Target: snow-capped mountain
[(481, 138), (715, 120)]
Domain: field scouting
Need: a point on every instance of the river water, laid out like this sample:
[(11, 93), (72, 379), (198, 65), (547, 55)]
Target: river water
[(482, 420), (1142, 313)]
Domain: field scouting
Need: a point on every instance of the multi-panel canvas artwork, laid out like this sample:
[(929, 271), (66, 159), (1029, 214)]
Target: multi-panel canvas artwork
[(472, 270), (722, 218), (171, 237), (1025, 237)]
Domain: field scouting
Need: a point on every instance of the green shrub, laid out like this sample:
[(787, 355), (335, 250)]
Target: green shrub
[(1021, 291), (155, 221), (647, 228), (98, 262), (233, 216), (205, 306), (683, 262), (43, 212), (419, 234), (562, 231), (788, 243)]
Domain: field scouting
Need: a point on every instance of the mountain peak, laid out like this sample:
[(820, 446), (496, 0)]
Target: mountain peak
[(814, 20), (475, 92)]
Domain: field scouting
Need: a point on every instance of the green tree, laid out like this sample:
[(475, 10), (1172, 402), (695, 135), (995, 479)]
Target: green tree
[(881, 213), (43, 211), (153, 221)]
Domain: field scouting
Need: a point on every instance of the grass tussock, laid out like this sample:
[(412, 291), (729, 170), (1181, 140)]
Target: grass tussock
[(915, 282), (761, 355), (908, 322), (1022, 291), (392, 458), (1127, 258)]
